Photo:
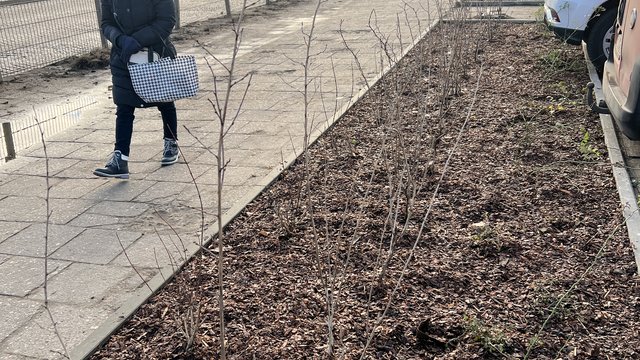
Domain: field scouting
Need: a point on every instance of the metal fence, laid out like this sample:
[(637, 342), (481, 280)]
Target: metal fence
[(36, 33), (43, 121)]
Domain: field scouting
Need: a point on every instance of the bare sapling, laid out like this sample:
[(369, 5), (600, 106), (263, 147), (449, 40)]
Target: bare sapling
[(308, 126), (332, 261), (399, 147), (48, 210), (426, 216), (406, 177), (221, 104), (189, 324)]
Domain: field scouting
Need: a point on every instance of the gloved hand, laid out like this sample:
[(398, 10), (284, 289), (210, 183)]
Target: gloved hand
[(128, 46)]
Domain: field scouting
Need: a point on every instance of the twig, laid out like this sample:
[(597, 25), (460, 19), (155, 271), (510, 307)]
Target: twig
[(46, 240)]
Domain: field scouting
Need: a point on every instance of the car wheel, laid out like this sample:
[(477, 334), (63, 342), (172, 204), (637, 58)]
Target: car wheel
[(600, 38)]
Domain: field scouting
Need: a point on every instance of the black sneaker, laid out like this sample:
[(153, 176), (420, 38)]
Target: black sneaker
[(170, 153), (115, 167)]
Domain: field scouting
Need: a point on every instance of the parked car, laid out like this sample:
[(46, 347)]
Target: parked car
[(591, 21), (621, 78)]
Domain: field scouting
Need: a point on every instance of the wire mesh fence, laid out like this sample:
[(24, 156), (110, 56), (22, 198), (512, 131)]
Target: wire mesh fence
[(36, 33)]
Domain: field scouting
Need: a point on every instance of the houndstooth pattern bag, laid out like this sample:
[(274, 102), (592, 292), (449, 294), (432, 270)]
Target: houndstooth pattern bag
[(165, 80)]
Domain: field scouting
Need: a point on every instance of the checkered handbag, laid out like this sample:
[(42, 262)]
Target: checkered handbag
[(165, 80)]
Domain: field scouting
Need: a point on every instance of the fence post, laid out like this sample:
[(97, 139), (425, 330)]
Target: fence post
[(8, 139), (227, 5), (177, 2), (103, 40)]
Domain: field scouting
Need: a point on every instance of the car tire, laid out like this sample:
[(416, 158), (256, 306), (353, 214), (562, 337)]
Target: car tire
[(600, 38)]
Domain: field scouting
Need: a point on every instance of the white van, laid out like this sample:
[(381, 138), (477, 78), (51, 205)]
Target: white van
[(591, 21)]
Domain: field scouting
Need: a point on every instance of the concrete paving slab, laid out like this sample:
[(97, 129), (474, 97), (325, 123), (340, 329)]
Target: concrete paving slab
[(119, 190), (83, 284), (76, 188), (17, 163), (179, 173), (35, 184), (95, 246), (257, 127), (153, 251), (119, 208), (98, 136), (7, 356), (189, 153), (162, 193), (31, 241), (97, 152), (267, 158), (4, 178), (208, 193), (20, 275), (72, 134), (73, 323), (183, 217), (54, 149), (96, 221), (235, 176), (146, 153), (17, 208), (10, 228), (264, 142), (14, 312), (113, 298), (40, 167), (84, 168), (65, 210)]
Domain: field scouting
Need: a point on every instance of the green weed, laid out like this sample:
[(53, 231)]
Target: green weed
[(586, 148), (492, 340), (561, 60)]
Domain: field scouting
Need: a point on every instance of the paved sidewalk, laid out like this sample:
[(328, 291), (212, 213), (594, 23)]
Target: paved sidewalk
[(91, 282)]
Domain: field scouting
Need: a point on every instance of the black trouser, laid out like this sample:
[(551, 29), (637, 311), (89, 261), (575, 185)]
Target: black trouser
[(124, 124)]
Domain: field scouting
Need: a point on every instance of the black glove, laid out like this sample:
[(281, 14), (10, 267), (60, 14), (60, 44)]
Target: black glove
[(128, 46)]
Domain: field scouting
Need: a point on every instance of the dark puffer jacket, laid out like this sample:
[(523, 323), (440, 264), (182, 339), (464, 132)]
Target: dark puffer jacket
[(150, 22)]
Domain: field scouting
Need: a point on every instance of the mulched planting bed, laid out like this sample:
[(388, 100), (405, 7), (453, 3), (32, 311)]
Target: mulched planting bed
[(521, 253)]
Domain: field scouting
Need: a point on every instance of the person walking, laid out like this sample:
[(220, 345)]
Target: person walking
[(134, 26)]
